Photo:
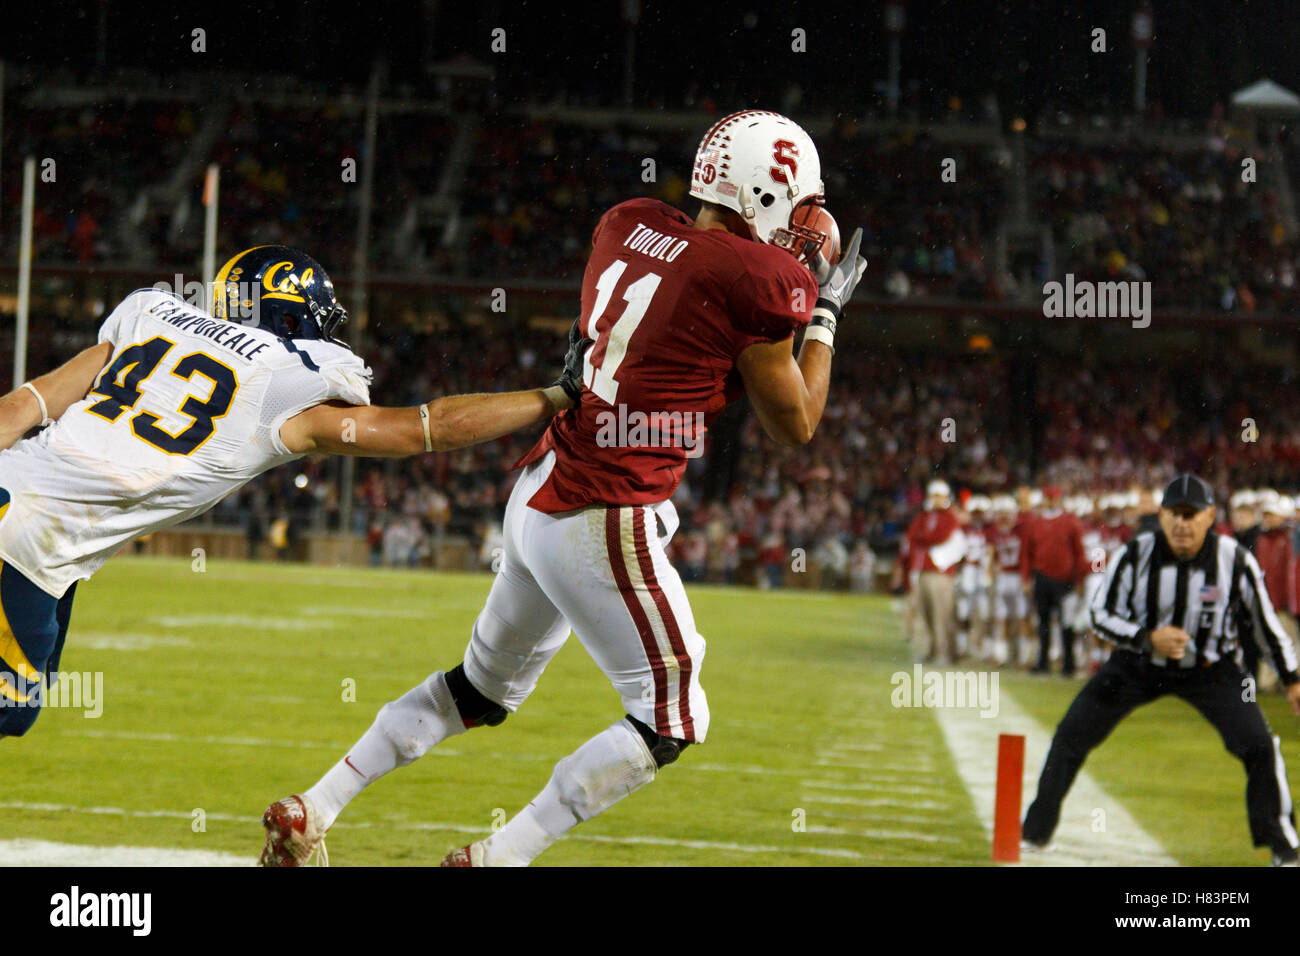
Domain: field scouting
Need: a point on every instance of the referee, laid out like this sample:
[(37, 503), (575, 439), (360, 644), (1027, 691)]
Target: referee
[(1172, 604)]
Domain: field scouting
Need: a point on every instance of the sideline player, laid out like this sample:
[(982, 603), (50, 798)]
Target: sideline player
[(687, 316), (173, 410), (974, 635), (1010, 604)]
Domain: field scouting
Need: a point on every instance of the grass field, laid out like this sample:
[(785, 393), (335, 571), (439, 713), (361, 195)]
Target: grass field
[(226, 689)]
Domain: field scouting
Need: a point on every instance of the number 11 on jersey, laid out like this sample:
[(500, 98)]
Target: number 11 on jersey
[(601, 378)]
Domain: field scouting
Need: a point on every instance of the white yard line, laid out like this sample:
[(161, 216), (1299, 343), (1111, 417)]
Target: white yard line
[(886, 786), (876, 802), (973, 742), (107, 641), (841, 763), (885, 834), (42, 853), (245, 621)]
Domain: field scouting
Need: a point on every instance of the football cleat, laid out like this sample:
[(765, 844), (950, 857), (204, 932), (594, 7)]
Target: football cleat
[(293, 834), (471, 855)]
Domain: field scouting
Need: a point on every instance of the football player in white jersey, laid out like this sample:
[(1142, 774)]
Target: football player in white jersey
[(1010, 604), (174, 409), (1075, 605), (973, 598)]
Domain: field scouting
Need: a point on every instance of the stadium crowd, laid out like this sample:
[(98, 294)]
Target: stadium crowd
[(523, 208), (531, 189)]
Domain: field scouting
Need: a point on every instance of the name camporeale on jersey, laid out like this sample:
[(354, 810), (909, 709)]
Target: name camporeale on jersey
[(227, 334)]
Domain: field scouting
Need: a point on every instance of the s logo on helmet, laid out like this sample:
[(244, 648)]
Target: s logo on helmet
[(708, 174), (286, 288), (784, 153)]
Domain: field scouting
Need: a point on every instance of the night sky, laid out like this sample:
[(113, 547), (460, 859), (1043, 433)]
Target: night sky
[(1034, 55)]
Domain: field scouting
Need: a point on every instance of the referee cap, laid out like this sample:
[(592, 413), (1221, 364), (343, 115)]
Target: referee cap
[(1187, 490)]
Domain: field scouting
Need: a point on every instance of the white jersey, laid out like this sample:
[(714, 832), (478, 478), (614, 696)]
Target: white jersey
[(187, 411)]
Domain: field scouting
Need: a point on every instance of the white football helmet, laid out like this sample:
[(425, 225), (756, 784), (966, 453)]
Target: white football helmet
[(1245, 498), (761, 165)]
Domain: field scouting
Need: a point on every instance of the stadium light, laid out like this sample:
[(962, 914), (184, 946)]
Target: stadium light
[(211, 186), (1143, 33), (24, 271), (895, 19)]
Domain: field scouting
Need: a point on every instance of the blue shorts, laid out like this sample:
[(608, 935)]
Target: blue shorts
[(33, 626)]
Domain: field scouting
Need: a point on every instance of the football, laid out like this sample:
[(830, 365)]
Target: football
[(817, 218)]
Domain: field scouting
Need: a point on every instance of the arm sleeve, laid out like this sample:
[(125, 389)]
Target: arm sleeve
[(1269, 632), (1109, 609)]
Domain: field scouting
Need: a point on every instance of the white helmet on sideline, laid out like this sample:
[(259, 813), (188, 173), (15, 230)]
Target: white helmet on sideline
[(938, 488)]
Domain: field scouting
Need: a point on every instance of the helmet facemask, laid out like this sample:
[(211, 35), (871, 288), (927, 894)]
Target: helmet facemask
[(802, 242)]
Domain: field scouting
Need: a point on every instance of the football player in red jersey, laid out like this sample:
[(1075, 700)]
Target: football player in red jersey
[(686, 316)]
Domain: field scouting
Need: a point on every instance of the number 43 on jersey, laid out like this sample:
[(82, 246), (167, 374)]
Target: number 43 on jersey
[(120, 387)]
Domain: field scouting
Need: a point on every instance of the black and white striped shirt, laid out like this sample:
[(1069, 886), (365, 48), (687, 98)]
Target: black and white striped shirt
[(1215, 597)]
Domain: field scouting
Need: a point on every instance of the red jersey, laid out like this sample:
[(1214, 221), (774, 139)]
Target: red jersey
[(1273, 550), (1006, 546), (670, 308), (927, 530), (1053, 546)]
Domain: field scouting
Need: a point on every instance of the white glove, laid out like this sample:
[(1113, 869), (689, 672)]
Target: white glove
[(835, 287)]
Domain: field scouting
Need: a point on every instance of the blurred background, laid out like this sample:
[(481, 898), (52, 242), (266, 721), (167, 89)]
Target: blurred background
[(487, 139)]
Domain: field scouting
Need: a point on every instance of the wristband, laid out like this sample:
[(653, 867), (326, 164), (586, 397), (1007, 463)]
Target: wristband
[(556, 395), (45, 413), (828, 307), (820, 333), (424, 420)]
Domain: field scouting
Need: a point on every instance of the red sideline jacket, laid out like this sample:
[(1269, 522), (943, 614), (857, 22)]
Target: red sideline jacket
[(926, 530), (1273, 549), (1054, 547)]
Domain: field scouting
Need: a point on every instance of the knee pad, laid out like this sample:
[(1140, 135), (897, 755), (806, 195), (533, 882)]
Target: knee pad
[(422, 717), (474, 708), (664, 750), (594, 777)]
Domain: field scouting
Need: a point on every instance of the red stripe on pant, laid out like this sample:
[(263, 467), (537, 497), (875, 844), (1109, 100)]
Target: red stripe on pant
[(670, 624), (617, 563)]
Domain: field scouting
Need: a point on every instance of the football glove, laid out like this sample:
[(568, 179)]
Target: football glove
[(835, 285), (571, 379)]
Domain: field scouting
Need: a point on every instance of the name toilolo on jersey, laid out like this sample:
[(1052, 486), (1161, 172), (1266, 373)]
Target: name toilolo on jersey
[(228, 335)]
